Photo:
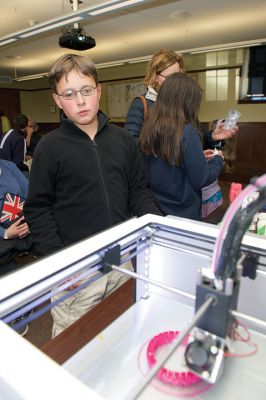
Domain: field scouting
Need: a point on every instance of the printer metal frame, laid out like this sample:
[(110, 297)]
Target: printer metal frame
[(167, 249)]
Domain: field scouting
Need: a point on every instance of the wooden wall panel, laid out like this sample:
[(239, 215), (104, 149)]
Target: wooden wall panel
[(10, 102), (250, 153)]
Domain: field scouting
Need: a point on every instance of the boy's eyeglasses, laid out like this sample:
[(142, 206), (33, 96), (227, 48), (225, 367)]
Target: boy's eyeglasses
[(70, 94)]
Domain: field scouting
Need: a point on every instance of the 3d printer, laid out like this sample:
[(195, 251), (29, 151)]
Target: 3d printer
[(173, 257)]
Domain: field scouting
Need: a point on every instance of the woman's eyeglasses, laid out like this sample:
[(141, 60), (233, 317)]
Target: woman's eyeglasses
[(70, 94), (164, 76)]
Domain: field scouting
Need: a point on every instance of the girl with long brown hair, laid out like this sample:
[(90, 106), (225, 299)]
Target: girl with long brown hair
[(171, 144)]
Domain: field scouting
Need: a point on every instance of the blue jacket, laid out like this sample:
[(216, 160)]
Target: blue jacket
[(14, 147), (177, 189), (12, 181)]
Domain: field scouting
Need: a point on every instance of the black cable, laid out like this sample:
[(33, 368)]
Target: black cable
[(231, 247)]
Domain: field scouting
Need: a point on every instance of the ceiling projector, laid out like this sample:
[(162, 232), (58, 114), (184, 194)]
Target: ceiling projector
[(76, 40)]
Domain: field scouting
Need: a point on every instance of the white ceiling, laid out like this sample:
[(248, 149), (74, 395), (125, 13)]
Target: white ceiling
[(130, 32)]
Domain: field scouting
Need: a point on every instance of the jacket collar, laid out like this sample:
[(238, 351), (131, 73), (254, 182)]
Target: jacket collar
[(102, 121)]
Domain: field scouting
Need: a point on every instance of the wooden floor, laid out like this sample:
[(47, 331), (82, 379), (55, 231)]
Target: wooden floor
[(40, 329)]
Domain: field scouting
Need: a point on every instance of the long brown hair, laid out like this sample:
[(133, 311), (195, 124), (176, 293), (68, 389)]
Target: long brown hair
[(177, 104)]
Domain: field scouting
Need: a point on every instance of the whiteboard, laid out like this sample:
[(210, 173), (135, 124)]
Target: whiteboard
[(120, 96)]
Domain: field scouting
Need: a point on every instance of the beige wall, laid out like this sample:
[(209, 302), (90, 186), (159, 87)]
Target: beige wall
[(37, 103)]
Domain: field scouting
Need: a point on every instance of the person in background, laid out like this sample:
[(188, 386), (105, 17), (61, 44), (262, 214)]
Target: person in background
[(212, 197), (14, 231), (5, 124), (163, 64), (174, 162), (32, 139), (12, 181), (86, 176), (33, 136), (13, 143)]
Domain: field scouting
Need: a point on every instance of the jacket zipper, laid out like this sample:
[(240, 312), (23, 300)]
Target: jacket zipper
[(104, 187)]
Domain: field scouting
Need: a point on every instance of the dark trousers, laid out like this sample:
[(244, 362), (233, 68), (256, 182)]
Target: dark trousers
[(8, 267)]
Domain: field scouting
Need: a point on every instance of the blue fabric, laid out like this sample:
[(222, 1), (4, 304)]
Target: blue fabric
[(177, 189), (14, 148), (214, 198), (135, 116), (11, 180), (211, 204)]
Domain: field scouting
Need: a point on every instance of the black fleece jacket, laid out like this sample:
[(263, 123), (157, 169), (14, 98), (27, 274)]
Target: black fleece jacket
[(79, 186)]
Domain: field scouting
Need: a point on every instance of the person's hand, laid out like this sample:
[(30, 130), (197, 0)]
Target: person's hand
[(219, 153), (211, 153), (18, 229), (208, 154), (220, 133), (29, 132), (74, 285)]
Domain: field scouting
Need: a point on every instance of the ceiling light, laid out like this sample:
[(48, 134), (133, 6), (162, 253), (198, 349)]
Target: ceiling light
[(49, 27), (75, 16), (138, 59), (11, 40), (114, 7), (30, 77), (109, 65), (223, 48)]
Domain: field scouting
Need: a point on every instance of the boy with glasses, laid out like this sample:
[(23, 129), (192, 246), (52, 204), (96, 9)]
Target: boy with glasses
[(87, 175)]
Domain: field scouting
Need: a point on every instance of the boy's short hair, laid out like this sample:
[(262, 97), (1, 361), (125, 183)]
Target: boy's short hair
[(67, 63), (20, 121)]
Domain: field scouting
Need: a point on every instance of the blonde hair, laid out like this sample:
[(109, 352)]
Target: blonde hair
[(161, 60)]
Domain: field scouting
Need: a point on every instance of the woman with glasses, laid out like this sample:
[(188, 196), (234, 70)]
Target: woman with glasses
[(163, 63)]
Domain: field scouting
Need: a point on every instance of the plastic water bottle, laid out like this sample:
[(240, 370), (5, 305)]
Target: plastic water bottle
[(231, 119)]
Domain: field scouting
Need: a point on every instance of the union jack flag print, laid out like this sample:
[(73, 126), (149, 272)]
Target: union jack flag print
[(12, 206)]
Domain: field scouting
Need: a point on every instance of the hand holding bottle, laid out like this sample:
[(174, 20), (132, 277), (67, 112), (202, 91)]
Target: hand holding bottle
[(220, 133)]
